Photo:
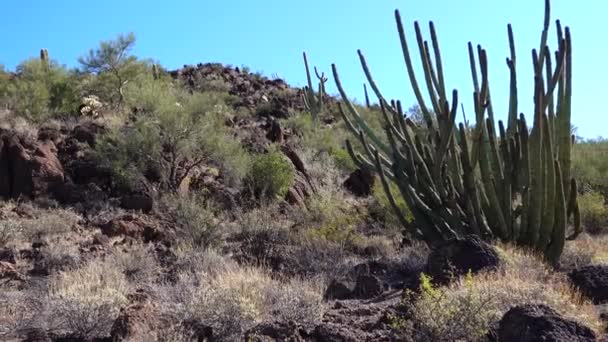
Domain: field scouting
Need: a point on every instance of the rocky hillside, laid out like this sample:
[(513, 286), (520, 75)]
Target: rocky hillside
[(204, 204)]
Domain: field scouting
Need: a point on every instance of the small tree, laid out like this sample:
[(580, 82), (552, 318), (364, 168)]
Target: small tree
[(112, 59)]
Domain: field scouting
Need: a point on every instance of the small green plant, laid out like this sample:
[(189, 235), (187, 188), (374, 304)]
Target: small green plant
[(440, 316), (271, 175), (594, 212), (195, 219)]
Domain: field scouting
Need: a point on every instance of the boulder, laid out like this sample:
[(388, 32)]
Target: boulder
[(137, 202), (528, 323), (276, 331), (126, 225), (368, 286), (8, 255), (458, 256), (200, 331), (592, 281), (339, 289), (27, 168), (360, 182)]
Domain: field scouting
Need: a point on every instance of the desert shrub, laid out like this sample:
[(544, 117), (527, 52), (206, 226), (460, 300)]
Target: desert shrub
[(236, 298), (40, 90), (138, 263), (271, 175), (594, 212), (329, 140), (585, 250), (590, 163), (9, 230), (175, 132), (45, 224), (86, 301), (467, 308), (194, 218), (57, 255)]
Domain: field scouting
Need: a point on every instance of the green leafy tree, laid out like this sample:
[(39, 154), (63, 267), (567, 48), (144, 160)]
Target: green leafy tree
[(113, 65)]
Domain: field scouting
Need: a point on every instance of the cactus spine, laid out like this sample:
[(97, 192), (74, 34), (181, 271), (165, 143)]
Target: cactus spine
[(509, 182), (314, 102)]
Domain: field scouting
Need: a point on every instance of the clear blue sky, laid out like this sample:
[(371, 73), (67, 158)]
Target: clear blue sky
[(270, 35)]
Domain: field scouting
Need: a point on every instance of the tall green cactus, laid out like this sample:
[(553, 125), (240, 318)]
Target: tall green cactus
[(313, 101), (510, 183)]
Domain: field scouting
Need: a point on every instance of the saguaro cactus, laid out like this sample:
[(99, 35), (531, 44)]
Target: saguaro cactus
[(44, 57), (512, 183), (314, 101)]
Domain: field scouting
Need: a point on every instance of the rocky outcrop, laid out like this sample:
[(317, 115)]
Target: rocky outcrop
[(592, 281), (252, 90), (132, 226), (277, 331), (530, 323), (456, 257), (28, 168), (360, 182)]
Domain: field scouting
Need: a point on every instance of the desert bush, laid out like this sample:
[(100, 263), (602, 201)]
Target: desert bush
[(138, 263), (9, 230), (271, 175), (40, 90), (328, 140), (175, 132), (194, 218), (467, 308), (49, 223), (594, 212), (85, 302), (590, 163), (236, 298), (585, 250)]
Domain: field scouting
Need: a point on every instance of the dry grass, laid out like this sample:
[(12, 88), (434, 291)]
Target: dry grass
[(42, 224), (467, 308), (233, 298), (585, 250), (138, 263), (86, 301)]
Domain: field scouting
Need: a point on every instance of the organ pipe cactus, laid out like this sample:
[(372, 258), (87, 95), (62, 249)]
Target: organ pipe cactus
[(512, 183), (314, 101)]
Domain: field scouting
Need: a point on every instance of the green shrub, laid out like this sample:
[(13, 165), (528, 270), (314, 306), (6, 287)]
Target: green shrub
[(39, 91), (590, 164), (594, 212), (322, 139), (174, 132), (271, 175), (468, 307), (194, 218)]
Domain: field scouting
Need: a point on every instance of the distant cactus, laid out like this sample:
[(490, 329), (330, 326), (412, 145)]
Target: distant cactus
[(514, 185), (314, 102), (155, 71), (44, 57)]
